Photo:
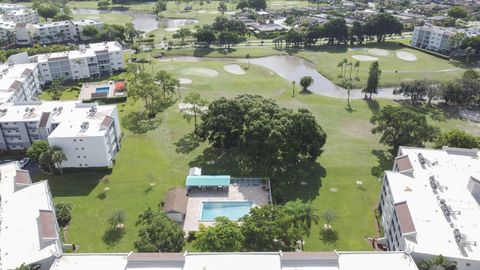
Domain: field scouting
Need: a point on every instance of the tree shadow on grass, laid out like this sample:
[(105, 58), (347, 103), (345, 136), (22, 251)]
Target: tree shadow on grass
[(74, 183), (187, 144), (329, 236), (301, 181), (385, 162), (112, 236), (373, 105), (139, 123), (438, 112)]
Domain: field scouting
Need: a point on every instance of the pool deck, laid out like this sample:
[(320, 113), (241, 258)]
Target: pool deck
[(235, 193)]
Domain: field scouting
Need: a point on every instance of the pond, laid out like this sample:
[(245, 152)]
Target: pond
[(292, 68), (145, 21)]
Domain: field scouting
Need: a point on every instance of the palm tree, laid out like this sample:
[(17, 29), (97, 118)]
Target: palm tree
[(351, 66), (438, 263), (45, 159), (58, 156), (357, 66), (197, 103), (469, 51), (166, 82), (248, 58), (348, 86), (293, 88), (345, 62), (178, 88), (340, 65)]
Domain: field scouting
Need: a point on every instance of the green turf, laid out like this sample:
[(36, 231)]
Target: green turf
[(151, 158)]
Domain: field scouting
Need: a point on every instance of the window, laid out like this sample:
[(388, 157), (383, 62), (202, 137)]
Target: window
[(81, 140), (83, 148), (74, 140), (78, 156), (84, 156)]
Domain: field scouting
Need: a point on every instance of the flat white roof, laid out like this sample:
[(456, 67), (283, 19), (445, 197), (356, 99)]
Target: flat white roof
[(238, 261), (20, 235), (69, 119), (89, 51), (375, 261), (452, 173), (11, 73), (9, 25), (84, 261)]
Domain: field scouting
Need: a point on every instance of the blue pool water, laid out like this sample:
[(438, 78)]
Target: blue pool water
[(231, 210), (102, 89)]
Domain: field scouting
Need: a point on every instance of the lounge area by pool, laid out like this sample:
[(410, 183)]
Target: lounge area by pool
[(233, 210)]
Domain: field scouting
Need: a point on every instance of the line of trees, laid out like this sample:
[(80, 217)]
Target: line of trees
[(222, 31), (268, 228), (110, 32), (377, 27), (463, 91)]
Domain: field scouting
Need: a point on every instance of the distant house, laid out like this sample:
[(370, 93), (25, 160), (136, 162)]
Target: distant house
[(175, 204)]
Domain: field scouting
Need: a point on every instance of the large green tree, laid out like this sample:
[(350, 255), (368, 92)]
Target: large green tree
[(457, 138), (36, 149), (400, 126), (305, 82), (269, 228), (304, 215), (457, 12), (270, 136), (381, 25), (225, 236), (158, 233), (416, 90)]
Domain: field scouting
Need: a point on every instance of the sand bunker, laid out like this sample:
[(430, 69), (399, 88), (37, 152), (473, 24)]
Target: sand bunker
[(188, 108), (406, 56), (202, 72), (202, 11), (184, 81), (361, 57), (234, 69), (378, 52)]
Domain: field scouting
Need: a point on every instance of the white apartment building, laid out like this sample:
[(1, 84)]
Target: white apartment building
[(29, 233), (432, 38), (89, 61), (238, 261), (18, 82), (430, 205), (62, 31), (21, 16), (7, 30), (6, 7), (89, 134)]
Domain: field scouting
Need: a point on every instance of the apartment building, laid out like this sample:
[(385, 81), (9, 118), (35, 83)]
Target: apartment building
[(430, 205), (18, 82), (238, 261), (21, 16), (7, 30), (29, 233), (89, 61), (62, 31), (432, 37), (89, 134), (6, 7)]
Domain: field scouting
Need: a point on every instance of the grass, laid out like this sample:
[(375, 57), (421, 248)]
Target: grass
[(352, 153)]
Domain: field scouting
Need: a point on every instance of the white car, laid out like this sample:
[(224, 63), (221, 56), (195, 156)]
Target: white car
[(24, 162)]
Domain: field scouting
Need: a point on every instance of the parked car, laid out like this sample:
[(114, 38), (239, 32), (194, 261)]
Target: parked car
[(24, 162)]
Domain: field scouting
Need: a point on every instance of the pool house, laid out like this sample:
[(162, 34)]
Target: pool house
[(207, 182)]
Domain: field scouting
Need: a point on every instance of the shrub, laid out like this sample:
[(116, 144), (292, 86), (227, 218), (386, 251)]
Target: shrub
[(64, 212)]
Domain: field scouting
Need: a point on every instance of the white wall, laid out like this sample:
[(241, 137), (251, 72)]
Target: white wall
[(83, 151)]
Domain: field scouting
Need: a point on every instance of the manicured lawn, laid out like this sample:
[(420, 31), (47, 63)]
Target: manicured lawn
[(394, 69), (350, 155)]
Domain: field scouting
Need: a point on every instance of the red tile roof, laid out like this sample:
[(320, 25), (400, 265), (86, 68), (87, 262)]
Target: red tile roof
[(107, 122), (15, 85), (44, 119), (22, 177), (404, 218), (403, 163), (46, 221)]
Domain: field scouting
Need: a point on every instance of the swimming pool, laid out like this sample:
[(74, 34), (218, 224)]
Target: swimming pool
[(102, 89), (233, 210)]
